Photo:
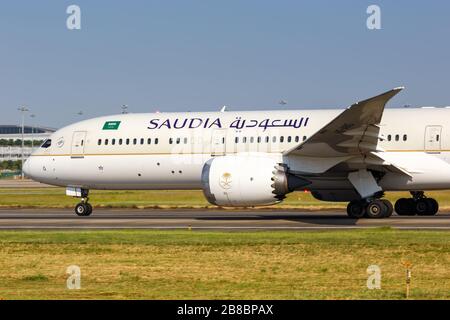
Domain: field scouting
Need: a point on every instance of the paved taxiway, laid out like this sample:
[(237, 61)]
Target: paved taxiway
[(207, 219)]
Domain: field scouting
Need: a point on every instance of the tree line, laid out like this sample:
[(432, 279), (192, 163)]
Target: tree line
[(14, 165), (18, 143)]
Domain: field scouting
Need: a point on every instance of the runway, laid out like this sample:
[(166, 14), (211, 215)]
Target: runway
[(23, 219)]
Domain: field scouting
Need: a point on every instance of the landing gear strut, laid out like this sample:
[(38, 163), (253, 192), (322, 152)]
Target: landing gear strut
[(374, 209), (417, 205), (83, 209)]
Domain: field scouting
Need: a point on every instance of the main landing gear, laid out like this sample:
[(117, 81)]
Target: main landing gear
[(374, 209), (417, 205), (382, 208), (84, 208)]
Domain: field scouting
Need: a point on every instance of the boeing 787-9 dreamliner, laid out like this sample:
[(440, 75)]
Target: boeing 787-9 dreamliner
[(255, 158)]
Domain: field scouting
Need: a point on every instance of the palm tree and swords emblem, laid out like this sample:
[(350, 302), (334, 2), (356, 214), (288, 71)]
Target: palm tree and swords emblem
[(225, 180)]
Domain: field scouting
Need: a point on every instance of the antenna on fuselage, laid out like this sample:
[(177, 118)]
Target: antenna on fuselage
[(223, 109)]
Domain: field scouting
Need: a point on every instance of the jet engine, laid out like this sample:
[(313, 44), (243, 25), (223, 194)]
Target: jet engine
[(241, 180)]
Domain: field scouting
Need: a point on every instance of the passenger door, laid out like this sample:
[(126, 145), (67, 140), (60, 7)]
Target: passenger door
[(433, 138), (78, 142), (218, 142)]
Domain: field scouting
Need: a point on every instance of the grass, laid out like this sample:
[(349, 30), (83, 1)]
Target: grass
[(219, 265), (56, 198)]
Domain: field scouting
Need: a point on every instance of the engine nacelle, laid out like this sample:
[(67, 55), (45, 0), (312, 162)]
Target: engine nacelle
[(241, 180)]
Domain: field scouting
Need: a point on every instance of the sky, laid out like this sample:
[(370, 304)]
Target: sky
[(200, 55)]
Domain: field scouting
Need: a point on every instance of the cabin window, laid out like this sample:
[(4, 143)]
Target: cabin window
[(437, 138), (252, 139), (99, 142), (134, 141), (120, 141), (259, 139), (289, 139), (106, 142), (236, 140), (389, 137), (156, 140), (47, 143), (149, 141), (297, 138), (244, 140), (113, 142), (405, 137), (178, 140), (267, 139), (170, 140), (281, 139), (274, 139), (128, 141), (185, 140), (397, 137), (142, 140), (304, 138)]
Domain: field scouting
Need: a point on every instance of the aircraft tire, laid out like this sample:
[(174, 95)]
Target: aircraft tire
[(432, 207), (405, 207), (390, 208), (376, 209), (356, 209), (81, 209), (89, 209)]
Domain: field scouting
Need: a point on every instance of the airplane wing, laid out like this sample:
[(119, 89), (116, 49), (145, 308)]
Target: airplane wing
[(353, 132)]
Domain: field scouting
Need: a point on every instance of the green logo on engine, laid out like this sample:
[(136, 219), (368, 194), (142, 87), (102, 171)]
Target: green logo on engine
[(111, 125)]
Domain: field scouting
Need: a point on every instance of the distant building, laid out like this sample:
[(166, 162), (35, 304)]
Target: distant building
[(15, 153), (30, 133), (13, 132)]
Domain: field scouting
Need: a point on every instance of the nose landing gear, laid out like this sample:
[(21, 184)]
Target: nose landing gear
[(82, 209)]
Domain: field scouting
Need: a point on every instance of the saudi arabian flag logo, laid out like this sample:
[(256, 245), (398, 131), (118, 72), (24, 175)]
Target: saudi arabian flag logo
[(111, 125)]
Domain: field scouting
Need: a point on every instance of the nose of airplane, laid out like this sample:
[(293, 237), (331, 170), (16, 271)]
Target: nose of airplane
[(27, 167)]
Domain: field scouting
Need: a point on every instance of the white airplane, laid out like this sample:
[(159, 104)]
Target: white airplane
[(255, 158)]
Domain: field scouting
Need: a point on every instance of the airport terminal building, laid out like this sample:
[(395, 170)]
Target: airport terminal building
[(13, 152)]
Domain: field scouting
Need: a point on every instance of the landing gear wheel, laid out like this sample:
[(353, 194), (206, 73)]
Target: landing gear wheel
[(81, 209), (356, 209), (421, 207), (89, 209), (390, 208), (376, 209), (405, 207), (433, 207)]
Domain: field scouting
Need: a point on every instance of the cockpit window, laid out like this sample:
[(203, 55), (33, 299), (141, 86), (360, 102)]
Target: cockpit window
[(47, 143)]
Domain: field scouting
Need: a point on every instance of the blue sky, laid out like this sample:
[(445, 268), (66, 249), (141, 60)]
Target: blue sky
[(200, 55)]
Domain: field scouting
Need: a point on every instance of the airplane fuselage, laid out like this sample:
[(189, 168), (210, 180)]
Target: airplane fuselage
[(169, 150)]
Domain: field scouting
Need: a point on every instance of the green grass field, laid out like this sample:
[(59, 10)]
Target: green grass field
[(220, 265), (56, 198)]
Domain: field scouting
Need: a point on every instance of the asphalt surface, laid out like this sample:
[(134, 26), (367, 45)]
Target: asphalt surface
[(18, 183), (207, 220)]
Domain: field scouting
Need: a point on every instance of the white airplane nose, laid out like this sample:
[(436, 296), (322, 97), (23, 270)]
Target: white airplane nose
[(27, 167)]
